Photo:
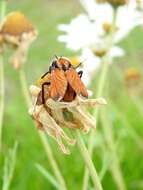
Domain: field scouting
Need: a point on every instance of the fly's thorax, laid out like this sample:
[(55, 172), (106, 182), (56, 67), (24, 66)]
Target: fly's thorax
[(61, 63), (64, 63), (40, 81)]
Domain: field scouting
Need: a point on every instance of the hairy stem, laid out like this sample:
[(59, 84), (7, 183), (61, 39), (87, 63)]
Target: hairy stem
[(100, 89), (2, 90), (88, 162), (1, 97), (43, 138), (115, 165), (130, 129), (92, 134), (48, 176), (24, 89), (9, 167)]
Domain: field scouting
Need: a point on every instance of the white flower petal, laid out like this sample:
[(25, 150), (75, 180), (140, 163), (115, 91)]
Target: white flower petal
[(91, 62), (83, 33), (116, 52), (63, 27), (89, 6)]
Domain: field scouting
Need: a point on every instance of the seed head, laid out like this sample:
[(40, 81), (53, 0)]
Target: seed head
[(16, 30), (133, 81)]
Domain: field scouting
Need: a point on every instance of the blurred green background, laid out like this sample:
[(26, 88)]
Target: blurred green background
[(46, 15)]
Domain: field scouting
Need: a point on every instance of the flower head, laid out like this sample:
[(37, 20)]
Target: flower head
[(90, 32), (132, 74), (133, 81), (54, 116), (19, 32), (85, 30), (81, 32)]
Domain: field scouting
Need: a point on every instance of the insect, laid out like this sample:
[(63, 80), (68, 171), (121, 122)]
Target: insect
[(62, 81)]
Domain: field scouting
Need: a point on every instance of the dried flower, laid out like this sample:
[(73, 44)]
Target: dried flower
[(19, 32), (132, 74), (55, 115)]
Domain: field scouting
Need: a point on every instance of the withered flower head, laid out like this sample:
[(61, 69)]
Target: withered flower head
[(132, 74), (133, 81), (19, 32), (54, 116), (114, 3)]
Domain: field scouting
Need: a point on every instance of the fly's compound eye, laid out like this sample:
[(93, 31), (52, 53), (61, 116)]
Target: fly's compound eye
[(54, 64)]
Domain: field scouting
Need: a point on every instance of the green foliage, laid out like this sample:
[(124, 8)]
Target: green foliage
[(18, 125)]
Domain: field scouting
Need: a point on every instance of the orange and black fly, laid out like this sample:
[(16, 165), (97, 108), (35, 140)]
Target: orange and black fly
[(62, 81)]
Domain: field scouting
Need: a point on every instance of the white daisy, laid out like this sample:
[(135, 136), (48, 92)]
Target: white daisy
[(92, 63), (89, 33), (128, 16), (83, 32)]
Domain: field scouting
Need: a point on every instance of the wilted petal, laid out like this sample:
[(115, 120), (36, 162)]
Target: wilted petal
[(55, 115)]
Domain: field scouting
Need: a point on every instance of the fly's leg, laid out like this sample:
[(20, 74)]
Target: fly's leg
[(46, 73), (80, 73), (43, 93)]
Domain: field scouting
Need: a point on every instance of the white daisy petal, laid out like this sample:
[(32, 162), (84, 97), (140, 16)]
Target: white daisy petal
[(116, 52)]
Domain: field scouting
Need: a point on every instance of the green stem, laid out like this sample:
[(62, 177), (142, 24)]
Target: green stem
[(1, 97), (134, 135), (52, 160), (48, 176), (88, 162), (96, 113), (24, 89), (115, 166), (43, 138), (2, 90), (100, 89), (3, 5), (9, 167)]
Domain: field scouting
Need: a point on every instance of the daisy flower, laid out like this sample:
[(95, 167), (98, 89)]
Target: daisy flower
[(127, 18), (85, 30), (89, 32)]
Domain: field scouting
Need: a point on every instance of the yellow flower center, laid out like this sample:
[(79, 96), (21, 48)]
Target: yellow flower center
[(75, 61), (100, 53), (107, 27)]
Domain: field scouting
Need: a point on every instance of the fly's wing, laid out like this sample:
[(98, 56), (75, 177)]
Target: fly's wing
[(58, 84), (69, 95), (76, 83)]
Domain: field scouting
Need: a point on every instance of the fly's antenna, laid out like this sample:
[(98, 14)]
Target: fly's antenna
[(56, 57), (80, 63)]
